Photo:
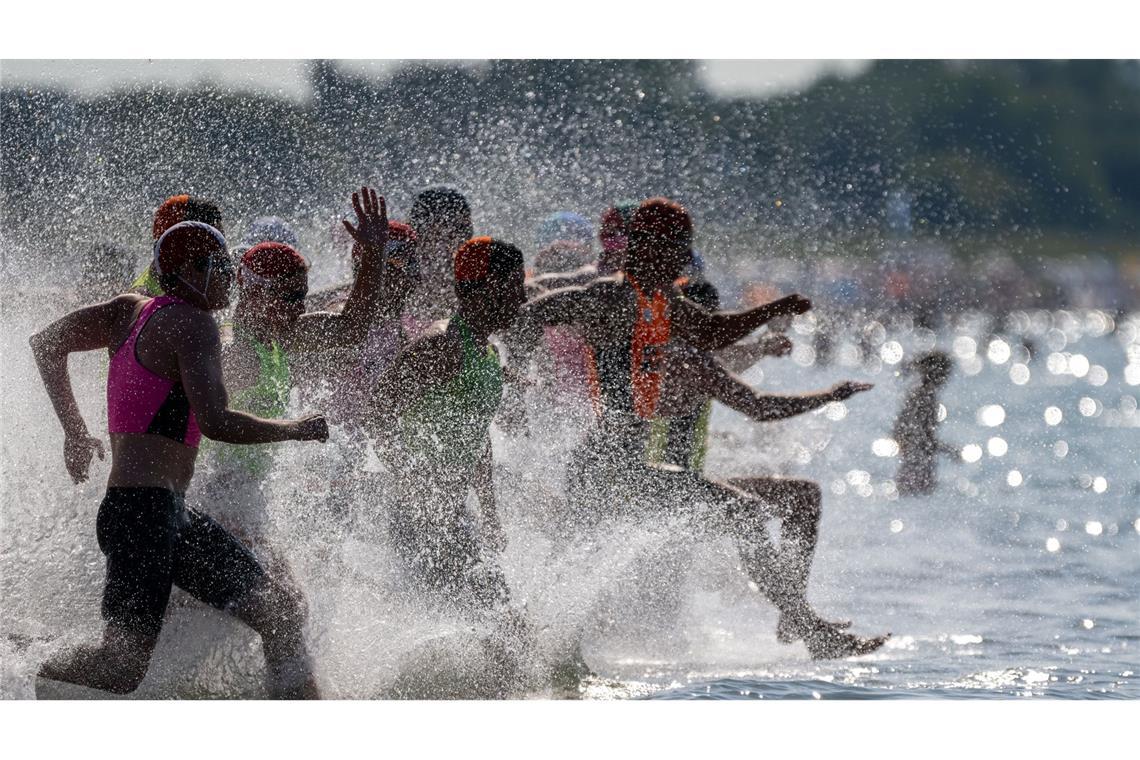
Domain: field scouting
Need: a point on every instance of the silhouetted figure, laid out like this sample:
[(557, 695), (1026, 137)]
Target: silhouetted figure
[(441, 218), (631, 321), (916, 426)]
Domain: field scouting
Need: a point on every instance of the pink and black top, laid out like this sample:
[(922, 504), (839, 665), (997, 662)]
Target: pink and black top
[(140, 402)]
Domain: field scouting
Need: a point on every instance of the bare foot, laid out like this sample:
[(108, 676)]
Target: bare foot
[(827, 643), (789, 631)]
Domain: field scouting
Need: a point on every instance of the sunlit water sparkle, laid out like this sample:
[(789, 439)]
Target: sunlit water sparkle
[(986, 590)]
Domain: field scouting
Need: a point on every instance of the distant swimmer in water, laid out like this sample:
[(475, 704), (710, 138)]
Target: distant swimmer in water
[(916, 427), (431, 412), (165, 390), (175, 209), (270, 332), (441, 218), (679, 437), (630, 320)]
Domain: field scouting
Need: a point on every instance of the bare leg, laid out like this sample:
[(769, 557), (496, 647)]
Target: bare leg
[(213, 566), (117, 665), (783, 583), (278, 614), (798, 505)]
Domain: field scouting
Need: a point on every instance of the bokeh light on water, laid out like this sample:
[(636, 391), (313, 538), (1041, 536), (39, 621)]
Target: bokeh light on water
[(987, 584)]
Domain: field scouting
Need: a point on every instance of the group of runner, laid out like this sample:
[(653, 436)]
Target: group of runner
[(406, 354)]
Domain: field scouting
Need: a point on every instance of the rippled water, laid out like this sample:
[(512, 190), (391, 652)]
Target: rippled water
[(1019, 576)]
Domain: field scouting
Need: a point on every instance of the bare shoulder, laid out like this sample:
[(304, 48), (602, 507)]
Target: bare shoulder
[(192, 316), (611, 293), (123, 305), (118, 313), (124, 300), (187, 325)]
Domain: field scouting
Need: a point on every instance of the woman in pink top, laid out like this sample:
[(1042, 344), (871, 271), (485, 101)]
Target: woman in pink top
[(164, 392)]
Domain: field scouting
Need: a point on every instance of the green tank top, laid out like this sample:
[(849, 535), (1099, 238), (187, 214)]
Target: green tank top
[(268, 398), (683, 441), (448, 424), (148, 283)]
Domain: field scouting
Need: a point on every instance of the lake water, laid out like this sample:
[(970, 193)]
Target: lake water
[(1018, 577)]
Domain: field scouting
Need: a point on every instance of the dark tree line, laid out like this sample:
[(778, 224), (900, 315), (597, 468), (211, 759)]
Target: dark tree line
[(973, 147)]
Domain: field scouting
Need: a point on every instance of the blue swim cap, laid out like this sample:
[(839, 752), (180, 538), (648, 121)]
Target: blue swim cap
[(697, 265), (565, 225), (269, 229)]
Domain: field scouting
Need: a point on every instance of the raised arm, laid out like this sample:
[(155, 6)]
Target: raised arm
[(85, 329), (324, 329), (199, 353), (713, 330)]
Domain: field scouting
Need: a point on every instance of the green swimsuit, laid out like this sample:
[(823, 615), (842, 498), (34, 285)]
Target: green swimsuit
[(267, 398), (148, 283), (443, 437), (681, 440), (447, 427)]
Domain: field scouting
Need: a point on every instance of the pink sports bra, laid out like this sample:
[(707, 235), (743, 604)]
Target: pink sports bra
[(139, 401)]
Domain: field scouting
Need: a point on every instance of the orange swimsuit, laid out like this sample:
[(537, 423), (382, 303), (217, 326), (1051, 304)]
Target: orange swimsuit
[(650, 333)]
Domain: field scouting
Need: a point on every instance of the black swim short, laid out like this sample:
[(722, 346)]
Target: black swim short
[(152, 541)]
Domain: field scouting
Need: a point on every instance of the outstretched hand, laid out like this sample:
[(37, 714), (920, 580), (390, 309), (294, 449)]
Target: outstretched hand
[(849, 388), (312, 428), (371, 232), (77, 452), (791, 305), (775, 345)]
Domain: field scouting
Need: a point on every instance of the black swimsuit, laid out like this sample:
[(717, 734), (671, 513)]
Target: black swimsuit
[(152, 542)]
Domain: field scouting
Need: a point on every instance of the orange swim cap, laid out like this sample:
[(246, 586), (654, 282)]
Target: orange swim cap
[(473, 260), (481, 258), (270, 260), (663, 220), (171, 212), (185, 208)]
